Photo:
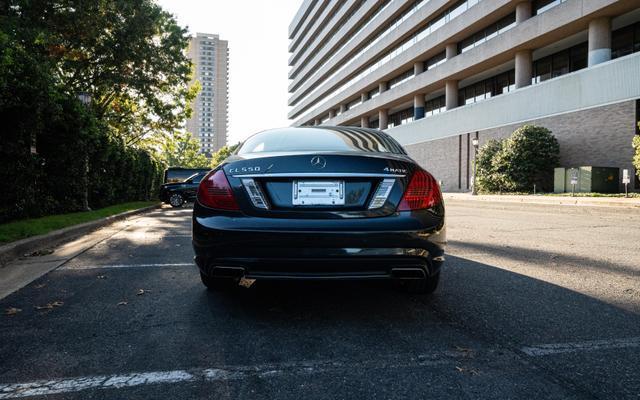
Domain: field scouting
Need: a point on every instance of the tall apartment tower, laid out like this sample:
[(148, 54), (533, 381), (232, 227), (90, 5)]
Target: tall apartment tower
[(208, 123), (435, 74)]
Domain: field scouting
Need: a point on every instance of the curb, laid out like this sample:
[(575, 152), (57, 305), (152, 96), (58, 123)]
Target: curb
[(13, 250), (562, 201)]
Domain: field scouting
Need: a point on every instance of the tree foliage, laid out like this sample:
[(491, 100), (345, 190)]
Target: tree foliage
[(486, 179), (524, 159), (129, 55), (219, 156), (183, 150)]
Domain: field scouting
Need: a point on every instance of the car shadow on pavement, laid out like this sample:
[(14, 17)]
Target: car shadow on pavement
[(104, 326), (479, 306), (550, 259), (486, 299)]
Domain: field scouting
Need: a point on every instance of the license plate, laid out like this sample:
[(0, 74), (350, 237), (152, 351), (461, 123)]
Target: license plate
[(318, 193)]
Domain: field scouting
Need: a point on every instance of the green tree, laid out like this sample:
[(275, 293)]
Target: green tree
[(129, 55), (183, 150), (487, 176), (219, 156)]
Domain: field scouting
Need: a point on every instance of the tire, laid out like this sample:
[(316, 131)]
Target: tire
[(176, 200), (421, 286), (218, 284)]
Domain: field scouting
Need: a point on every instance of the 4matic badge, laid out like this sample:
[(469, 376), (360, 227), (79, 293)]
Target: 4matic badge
[(395, 170)]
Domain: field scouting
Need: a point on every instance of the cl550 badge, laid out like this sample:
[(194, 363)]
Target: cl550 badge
[(241, 170)]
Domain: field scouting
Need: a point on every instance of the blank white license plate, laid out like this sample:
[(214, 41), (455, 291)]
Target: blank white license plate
[(317, 193)]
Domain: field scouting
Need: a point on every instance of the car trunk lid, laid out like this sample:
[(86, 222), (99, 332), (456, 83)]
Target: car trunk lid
[(317, 185)]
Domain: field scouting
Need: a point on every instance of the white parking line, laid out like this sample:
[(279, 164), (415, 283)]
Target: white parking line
[(117, 381), (573, 347), (84, 267)]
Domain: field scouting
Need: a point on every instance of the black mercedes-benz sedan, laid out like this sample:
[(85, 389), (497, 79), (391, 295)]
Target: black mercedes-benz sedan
[(320, 203)]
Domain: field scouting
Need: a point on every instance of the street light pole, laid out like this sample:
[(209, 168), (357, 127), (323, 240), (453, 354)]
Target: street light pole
[(475, 141)]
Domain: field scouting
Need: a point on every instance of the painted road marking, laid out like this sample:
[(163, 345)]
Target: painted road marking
[(47, 387), (589, 345), (84, 267)]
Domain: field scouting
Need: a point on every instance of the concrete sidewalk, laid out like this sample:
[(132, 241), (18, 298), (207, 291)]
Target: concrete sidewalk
[(552, 200)]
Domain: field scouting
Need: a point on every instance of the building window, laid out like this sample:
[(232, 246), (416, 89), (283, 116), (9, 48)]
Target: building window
[(434, 106), (540, 6), (435, 61), (560, 63), (487, 33), (401, 117), (488, 88), (403, 77), (625, 41), (435, 23), (373, 93), (355, 102)]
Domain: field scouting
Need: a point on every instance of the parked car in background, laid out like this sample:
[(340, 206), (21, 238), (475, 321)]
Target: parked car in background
[(178, 193), (179, 174), (320, 203)]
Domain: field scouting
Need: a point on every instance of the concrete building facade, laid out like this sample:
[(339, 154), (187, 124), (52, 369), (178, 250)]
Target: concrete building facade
[(436, 73), (208, 123)]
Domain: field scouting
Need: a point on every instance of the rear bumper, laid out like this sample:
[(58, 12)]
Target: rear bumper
[(267, 248)]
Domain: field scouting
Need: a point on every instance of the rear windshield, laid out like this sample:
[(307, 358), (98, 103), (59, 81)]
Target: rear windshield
[(320, 139)]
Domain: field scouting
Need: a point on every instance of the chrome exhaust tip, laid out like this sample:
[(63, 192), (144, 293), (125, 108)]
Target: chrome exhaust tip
[(408, 273), (228, 272)]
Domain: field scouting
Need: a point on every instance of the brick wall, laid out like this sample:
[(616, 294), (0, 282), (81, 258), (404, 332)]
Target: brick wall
[(599, 136)]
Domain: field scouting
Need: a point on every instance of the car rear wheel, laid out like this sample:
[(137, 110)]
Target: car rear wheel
[(420, 286), (218, 284), (176, 200)]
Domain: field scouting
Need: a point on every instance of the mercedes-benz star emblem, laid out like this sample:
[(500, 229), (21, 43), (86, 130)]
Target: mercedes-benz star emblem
[(318, 162)]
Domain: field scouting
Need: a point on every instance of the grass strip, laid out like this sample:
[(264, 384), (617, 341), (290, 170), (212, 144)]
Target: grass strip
[(25, 228)]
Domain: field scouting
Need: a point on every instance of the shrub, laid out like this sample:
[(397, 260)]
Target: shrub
[(524, 159), (486, 180), (53, 180), (636, 156)]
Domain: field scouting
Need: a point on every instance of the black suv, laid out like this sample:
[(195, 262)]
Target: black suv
[(178, 193)]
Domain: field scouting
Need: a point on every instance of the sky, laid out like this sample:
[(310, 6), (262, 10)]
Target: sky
[(257, 32)]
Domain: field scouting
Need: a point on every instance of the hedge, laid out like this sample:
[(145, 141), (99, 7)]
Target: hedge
[(69, 141)]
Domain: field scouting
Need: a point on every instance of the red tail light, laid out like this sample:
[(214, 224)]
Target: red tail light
[(214, 191), (423, 192)]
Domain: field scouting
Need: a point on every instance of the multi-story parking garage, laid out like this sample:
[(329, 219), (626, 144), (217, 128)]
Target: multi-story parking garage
[(437, 73)]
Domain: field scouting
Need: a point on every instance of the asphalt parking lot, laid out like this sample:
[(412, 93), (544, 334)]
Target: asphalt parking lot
[(535, 302)]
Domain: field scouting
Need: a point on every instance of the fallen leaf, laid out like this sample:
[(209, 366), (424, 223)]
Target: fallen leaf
[(40, 286), (142, 291), (459, 369), (102, 277), (123, 303), (50, 306), (246, 283), (12, 311)]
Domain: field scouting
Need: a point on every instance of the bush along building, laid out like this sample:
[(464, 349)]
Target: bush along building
[(435, 74)]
